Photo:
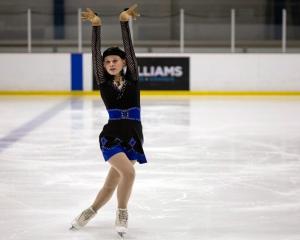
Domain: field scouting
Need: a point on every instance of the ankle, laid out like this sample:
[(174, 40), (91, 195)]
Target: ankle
[(94, 208), (122, 209)]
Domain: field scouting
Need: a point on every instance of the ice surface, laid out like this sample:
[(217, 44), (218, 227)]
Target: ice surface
[(220, 168)]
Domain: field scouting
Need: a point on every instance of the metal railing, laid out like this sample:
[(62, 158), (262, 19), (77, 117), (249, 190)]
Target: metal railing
[(182, 34)]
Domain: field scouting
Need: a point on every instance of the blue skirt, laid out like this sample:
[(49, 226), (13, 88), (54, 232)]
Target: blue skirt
[(113, 145)]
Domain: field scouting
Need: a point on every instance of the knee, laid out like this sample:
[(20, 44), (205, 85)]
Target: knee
[(129, 174)]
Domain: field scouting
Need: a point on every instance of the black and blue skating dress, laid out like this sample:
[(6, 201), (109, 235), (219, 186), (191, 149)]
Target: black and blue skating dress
[(123, 132)]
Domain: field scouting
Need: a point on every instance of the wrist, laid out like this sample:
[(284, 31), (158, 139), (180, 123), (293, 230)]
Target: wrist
[(124, 17), (96, 21)]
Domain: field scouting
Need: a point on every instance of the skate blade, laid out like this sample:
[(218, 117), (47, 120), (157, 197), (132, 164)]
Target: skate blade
[(72, 228), (121, 234)]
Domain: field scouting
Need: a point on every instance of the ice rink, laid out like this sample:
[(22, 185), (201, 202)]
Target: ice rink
[(220, 168)]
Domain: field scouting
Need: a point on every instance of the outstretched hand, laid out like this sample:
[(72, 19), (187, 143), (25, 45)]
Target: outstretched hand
[(130, 13), (91, 16)]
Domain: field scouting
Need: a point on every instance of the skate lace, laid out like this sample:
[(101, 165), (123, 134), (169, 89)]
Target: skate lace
[(86, 214), (123, 217)]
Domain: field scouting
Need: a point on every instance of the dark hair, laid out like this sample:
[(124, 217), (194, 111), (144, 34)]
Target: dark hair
[(114, 51)]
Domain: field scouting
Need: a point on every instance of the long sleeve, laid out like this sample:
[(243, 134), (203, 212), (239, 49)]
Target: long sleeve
[(131, 60), (96, 55)]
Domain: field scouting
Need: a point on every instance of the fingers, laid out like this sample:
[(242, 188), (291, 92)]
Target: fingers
[(136, 14), (133, 7), (89, 10), (132, 11), (84, 16), (88, 14)]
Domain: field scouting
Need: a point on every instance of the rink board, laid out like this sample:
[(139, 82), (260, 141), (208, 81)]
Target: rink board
[(206, 73)]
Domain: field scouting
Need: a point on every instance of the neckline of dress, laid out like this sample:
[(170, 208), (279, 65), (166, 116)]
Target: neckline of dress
[(119, 89)]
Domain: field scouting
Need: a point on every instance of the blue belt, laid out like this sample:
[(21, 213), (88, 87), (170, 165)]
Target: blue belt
[(130, 114)]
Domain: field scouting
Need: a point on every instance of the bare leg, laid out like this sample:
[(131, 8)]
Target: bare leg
[(107, 190), (126, 171), (121, 174), (111, 182)]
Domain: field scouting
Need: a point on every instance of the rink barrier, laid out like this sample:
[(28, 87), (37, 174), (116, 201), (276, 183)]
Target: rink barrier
[(76, 72), (209, 74)]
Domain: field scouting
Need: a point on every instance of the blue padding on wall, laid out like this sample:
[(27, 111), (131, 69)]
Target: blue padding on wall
[(76, 72)]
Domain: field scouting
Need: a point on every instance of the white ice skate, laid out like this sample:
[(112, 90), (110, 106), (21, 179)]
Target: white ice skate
[(121, 222), (82, 219)]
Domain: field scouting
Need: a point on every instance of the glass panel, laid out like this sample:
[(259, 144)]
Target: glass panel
[(13, 25), (255, 31), (207, 25), (208, 28), (293, 28)]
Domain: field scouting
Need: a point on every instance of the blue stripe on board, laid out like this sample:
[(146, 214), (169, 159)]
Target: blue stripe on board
[(76, 72), (26, 128)]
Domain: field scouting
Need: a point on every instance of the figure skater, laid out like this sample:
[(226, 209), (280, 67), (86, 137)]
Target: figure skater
[(121, 139)]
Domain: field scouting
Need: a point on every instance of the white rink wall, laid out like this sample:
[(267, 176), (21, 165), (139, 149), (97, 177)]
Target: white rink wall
[(208, 72), (35, 72), (245, 72)]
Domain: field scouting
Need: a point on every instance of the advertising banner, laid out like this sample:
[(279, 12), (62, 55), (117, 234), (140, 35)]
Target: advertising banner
[(162, 73)]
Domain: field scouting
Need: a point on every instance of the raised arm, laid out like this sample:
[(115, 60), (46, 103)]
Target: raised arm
[(96, 44), (131, 60)]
